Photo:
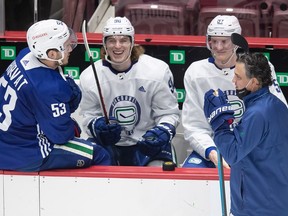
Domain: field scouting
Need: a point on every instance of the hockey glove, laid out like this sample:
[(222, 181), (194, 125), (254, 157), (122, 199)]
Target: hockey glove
[(76, 94), (77, 129), (155, 138), (106, 134), (217, 109)]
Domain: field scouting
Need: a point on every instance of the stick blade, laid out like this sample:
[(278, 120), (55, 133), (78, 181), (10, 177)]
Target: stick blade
[(85, 38), (240, 41), (84, 26)]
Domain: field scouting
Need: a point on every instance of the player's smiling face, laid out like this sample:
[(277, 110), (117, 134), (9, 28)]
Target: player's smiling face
[(221, 47), (118, 48)]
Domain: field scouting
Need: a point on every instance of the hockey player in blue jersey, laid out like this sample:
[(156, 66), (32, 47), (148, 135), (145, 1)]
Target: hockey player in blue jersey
[(257, 147), (139, 96), (214, 72), (36, 101)]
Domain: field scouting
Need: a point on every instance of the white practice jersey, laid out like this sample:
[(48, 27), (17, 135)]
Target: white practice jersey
[(200, 77), (140, 98)]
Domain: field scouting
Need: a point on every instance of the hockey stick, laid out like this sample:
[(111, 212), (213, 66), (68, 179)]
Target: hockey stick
[(221, 176), (95, 73), (110, 148), (240, 41), (222, 184)]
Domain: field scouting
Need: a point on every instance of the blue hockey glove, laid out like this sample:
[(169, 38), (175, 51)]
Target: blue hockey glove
[(77, 129), (155, 138), (217, 109), (106, 134), (76, 94)]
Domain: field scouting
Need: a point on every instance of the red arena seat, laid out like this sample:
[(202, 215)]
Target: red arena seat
[(156, 18), (280, 23), (248, 18), (75, 11)]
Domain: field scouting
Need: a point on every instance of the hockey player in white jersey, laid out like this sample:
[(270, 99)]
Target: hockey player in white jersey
[(36, 101), (139, 96), (213, 73)]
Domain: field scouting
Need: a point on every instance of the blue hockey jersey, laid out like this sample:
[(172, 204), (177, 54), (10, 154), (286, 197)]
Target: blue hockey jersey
[(34, 112), (257, 152)]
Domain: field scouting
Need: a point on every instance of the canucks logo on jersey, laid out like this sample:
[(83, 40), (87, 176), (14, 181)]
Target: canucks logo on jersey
[(127, 111), (236, 103)]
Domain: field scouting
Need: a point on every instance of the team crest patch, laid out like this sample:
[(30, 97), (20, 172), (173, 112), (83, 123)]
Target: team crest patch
[(80, 163), (127, 111), (194, 160)]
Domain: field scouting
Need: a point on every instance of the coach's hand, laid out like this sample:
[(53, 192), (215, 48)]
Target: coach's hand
[(217, 109), (106, 134)]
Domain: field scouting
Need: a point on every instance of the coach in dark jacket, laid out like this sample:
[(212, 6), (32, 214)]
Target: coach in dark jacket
[(257, 147)]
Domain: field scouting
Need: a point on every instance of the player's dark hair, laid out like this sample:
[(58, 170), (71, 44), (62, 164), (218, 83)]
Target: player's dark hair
[(256, 65), (137, 50)]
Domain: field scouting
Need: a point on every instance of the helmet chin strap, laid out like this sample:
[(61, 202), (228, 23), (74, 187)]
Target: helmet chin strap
[(117, 63), (59, 61), (229, 59)]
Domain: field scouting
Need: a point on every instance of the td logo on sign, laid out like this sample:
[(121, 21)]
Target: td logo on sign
[(95, 53), (8, 52), (180, 95), (177, 56), (72, 72), (282, 78)]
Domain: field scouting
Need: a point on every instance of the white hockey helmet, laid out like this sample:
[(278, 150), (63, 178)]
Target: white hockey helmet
[(49, 34), (222, 25), (118, 26)]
